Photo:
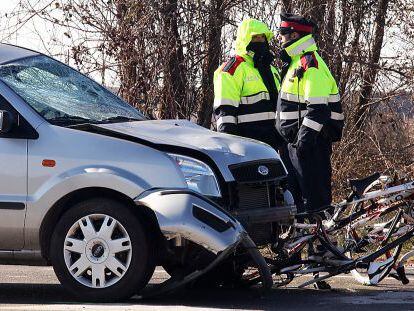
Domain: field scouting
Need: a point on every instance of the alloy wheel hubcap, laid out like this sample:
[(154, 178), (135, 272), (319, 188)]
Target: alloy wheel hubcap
[(97, 251)]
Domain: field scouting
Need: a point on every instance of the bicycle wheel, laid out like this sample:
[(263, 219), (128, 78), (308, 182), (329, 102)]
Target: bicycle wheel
[(366, 234)]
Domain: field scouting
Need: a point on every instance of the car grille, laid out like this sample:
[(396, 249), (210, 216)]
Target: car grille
[(253, 190), (253, 196), (250, 172)]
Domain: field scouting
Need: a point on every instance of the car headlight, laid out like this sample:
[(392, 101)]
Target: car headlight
[(198, 175)]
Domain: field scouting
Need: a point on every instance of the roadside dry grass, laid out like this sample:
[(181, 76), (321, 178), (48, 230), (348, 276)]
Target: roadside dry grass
[(385, 146)]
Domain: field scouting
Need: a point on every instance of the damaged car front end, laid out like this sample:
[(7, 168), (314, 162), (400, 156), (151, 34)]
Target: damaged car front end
[(184, 215), (234, 203), (236, 199)]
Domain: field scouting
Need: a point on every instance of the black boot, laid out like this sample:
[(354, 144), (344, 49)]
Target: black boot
[(321, 285)]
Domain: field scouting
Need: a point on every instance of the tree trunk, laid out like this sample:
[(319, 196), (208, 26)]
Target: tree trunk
[(342, 39), (358, 20), (287, 6), (211, 62), (126, 49), (329, 34), (317, 10), (370, 74), (174, 102)]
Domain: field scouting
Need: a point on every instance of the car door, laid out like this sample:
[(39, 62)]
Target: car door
[(13, 181)]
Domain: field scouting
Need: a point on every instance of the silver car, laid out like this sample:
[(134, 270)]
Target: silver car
[(91, 186)]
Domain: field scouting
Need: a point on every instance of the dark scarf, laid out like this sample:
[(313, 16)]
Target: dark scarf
[(285, 58), (262, 60)]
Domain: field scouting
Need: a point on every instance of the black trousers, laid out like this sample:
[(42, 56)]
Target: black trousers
[(310, 174), (293, 185)]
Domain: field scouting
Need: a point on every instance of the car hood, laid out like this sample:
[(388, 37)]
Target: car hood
[(223, 149)]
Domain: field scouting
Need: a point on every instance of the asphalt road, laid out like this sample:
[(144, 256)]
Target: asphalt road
[(36, 288)]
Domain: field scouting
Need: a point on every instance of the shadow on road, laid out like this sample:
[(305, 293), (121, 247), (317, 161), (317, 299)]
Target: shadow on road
[(248, 299), (11, 293)]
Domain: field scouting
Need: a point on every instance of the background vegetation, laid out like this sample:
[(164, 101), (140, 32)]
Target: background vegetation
[(161, 55)]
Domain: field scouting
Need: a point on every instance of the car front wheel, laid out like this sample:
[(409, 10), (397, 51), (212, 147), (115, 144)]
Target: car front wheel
[(101, 252)]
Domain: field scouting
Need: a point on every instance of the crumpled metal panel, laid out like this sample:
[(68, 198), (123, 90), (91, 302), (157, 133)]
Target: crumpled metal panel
[(174, 212)]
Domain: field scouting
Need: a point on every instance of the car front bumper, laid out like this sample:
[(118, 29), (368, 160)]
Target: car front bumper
[(187, 214)]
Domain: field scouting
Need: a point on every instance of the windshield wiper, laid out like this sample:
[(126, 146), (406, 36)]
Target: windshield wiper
[(119, 119), (74, 121), (69, 120)]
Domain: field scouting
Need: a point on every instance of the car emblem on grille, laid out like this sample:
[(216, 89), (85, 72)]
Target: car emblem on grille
[(263, 170)]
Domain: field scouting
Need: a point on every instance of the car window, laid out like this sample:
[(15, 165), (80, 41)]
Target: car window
[(60, 93)]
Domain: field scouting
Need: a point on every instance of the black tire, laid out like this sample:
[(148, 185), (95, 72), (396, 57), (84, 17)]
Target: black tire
[(141, 265)]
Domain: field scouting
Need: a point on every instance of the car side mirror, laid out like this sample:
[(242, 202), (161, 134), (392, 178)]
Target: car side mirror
[(6, 121)]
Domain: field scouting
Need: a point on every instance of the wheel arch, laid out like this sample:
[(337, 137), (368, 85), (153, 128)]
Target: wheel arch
[(144, 214)]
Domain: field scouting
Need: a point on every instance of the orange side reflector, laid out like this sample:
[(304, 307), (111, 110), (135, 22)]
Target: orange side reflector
[(48, 163)]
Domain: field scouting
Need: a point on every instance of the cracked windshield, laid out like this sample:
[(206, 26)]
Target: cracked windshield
[(62, 95)]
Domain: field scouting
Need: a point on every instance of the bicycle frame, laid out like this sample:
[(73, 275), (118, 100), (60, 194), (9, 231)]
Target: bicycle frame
[(399, 192), (383, 202)]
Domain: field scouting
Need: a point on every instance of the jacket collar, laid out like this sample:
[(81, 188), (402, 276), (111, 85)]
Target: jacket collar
[(303, 45), (248, 57)]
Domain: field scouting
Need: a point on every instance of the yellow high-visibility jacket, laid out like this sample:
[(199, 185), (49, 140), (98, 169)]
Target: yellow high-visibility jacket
[(241, 100), (309, 102)]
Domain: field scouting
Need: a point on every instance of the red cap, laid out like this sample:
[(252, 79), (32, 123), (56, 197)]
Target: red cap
[(296, 27)]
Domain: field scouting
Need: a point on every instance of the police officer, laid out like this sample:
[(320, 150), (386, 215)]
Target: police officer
[(246, 87), (309, 114)]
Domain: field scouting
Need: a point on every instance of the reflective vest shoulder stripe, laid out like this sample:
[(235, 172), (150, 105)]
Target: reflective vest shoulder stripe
[(302, 47)]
